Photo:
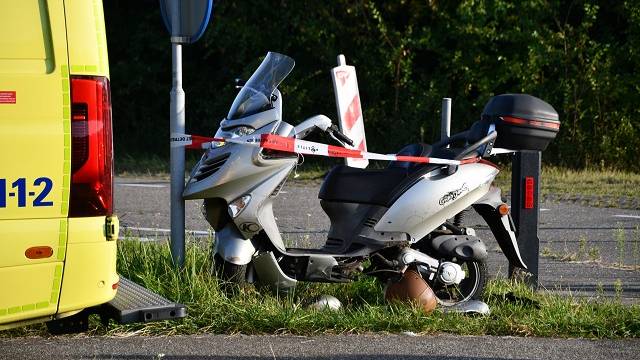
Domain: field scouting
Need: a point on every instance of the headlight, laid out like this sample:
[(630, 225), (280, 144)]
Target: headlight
[(242, 131), (235, 132)]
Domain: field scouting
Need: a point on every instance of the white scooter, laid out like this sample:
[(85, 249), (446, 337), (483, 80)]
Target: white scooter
[(383, 221)]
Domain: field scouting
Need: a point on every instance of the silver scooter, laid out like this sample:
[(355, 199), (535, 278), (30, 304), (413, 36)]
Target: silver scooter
[(383, 221)]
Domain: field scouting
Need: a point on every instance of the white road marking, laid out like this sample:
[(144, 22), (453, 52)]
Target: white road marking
[(146, 239), (142, 185), (543, 209), (628, 216), (158, 230)]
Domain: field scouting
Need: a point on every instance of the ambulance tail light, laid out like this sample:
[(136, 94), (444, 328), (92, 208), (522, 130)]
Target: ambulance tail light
[(91, 192)]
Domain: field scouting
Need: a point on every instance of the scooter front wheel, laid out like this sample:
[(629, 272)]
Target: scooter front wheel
[(470, 288), (228, 272)]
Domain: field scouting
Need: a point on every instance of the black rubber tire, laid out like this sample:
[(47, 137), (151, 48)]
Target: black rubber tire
[(228, 272)]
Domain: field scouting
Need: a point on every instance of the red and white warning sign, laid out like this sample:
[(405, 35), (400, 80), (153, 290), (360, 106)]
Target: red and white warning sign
[(345, 87), (7, 97)]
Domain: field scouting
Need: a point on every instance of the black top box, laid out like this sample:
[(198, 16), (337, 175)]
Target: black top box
[(523, 122)]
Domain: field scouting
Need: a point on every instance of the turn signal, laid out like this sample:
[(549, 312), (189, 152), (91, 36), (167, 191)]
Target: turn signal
[(237, 205), (38, 252), (503, 209)]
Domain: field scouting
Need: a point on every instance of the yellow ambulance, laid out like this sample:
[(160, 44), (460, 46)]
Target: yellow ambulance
[(57, 228)]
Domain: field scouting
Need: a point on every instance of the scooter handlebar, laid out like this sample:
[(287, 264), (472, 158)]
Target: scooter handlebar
[(333, 130)]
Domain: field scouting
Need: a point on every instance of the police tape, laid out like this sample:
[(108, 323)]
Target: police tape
[(297, 146)]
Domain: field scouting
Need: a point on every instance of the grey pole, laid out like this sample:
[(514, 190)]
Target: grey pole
[(177, 158), (445, 125)]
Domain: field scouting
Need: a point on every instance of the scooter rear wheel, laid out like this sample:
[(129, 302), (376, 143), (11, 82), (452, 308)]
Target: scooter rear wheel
[(470, 288)]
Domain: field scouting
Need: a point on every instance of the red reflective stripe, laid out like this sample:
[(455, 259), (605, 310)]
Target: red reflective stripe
[(361, 146), (275, 142), (338, 151), (353, 113), (487, 162), (514, 120), (519, 121), (469, 160), (528, 192), (417, 159)]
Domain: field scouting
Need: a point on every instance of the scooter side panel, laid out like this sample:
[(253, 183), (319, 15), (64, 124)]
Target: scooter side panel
[(241, 171), (501, 226), (436, 198), (260, 210)]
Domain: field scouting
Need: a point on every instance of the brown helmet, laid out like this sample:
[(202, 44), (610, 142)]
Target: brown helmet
[(412, 288)]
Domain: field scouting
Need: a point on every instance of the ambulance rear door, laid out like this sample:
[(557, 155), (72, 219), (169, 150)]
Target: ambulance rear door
[(35, 156)]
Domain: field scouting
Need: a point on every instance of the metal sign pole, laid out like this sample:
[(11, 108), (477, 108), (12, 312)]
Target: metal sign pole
[(525, 209), (445, 115), (177, 158), (186, 21)]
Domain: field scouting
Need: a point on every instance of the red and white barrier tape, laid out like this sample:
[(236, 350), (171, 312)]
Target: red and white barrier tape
[(297, 146)]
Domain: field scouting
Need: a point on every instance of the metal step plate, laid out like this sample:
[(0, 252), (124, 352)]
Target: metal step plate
[(134, 303)]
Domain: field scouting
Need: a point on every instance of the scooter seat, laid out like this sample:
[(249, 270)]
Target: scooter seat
[(374, 186), (362, 186)]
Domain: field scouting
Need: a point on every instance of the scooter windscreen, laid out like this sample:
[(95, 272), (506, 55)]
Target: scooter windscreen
[(255, 95)]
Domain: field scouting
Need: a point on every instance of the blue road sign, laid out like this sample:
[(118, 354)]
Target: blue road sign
[(186, 20)]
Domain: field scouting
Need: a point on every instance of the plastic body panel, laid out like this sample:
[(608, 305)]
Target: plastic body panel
[(90, 269), (27, 44), (501, 226), (86, 36), (34, 184), (17, 238), (31, 291), (34, 130), (435, 198), (517, 137), (31, 286), (245, 172)]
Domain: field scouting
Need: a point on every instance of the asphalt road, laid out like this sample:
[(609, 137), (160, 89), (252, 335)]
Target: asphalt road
[(565, 228), (348, 347)]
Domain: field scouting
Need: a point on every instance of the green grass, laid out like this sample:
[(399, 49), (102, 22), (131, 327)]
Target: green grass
[(555, 180), (516, 309), (596, 182)]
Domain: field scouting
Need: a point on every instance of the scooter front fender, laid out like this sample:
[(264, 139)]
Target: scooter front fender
[(232, 246), (501, 226)]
